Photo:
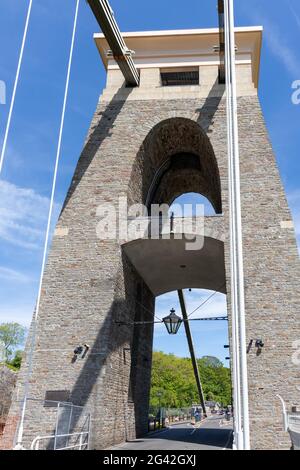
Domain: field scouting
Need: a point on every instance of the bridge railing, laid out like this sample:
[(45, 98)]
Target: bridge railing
[(160, 226), (81, 441), (168, 227), (291, 424), (160, 418), (54, 425)]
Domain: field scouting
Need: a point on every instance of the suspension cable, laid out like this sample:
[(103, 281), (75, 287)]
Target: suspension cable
[(194, 311), (206, 300), (12, 103), (147, 310), (33, 337)]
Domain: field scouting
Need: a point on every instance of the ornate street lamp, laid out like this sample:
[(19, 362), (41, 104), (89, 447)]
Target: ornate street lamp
[(172, 322)]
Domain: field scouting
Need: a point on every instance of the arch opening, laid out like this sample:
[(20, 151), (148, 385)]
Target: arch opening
[(165, 265), (176, 165), (173, 390), (189, 204), (175, 158)]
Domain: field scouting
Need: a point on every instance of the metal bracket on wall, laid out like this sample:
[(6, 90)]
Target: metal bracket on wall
[(126, 350)]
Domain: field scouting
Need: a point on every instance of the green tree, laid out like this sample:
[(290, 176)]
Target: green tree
[(212, 361), (210, 396), (174, 378), (11, 335), (16, 361)]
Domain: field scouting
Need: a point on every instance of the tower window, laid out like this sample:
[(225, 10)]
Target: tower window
[(180, 78)]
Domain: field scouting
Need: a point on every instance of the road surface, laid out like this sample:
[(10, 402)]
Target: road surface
[(210, 435)]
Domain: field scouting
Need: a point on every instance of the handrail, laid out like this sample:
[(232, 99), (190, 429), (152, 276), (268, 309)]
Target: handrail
[(284, 413), (55, 436)]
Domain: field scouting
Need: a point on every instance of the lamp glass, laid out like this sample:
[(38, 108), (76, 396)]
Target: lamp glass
[(172, 323)]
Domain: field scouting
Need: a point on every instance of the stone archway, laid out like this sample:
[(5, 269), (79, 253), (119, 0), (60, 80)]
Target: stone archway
[(176, 157), (91, 284)]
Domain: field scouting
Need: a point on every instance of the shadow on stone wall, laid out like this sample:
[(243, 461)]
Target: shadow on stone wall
[(129, 387), (96, 136), (210, 107), (125, 390), (157, 162)]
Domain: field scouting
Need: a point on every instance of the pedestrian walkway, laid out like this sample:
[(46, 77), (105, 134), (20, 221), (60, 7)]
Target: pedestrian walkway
[(209, 435)]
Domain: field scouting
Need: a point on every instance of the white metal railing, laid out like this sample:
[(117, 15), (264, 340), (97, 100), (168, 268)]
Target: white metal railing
[(291, 424), (82, 445), (291, 421), (57, 422), (284, 413), (166, 226)]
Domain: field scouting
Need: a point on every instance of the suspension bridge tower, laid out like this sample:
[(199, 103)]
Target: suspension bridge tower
[(149, 144)]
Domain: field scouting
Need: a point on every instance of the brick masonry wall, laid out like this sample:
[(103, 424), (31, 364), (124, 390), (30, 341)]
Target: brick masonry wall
[(89, 283), (8, 380)]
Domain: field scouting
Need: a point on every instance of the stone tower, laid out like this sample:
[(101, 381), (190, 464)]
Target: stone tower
[(149, 145)]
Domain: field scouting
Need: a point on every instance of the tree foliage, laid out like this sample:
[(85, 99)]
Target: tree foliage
[(212, 361), (15, 363), (173, 378), (12, 335)]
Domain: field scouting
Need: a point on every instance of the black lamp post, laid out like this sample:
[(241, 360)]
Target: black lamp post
[(159, 394), (172, 322)]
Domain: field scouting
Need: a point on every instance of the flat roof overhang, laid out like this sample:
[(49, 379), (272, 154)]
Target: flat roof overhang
[(166, 265), (191, 47)]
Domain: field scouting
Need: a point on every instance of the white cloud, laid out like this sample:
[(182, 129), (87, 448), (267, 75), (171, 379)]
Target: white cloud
[(23, 216), (19, 314), (294, 13), (191, 204), (8, 274), (215, 307), (294, 196), (294, 203), (275, 38), (280, 49)]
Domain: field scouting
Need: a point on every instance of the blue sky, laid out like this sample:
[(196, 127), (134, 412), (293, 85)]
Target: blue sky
[(26, 178)]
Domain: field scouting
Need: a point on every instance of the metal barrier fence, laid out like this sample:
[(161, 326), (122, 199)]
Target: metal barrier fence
[(294, 429), (165, 226), (53, 425), (3, 416), (291, 423), (161, 417), (83, 443)]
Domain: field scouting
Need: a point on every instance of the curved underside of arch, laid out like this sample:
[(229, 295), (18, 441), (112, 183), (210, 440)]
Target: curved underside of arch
[(180, 174), (176, 157), (166, 265)]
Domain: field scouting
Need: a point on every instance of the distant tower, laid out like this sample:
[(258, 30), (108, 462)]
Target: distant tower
[(151, 144)]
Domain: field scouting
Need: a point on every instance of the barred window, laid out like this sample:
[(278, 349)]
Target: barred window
[(180, 78)]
